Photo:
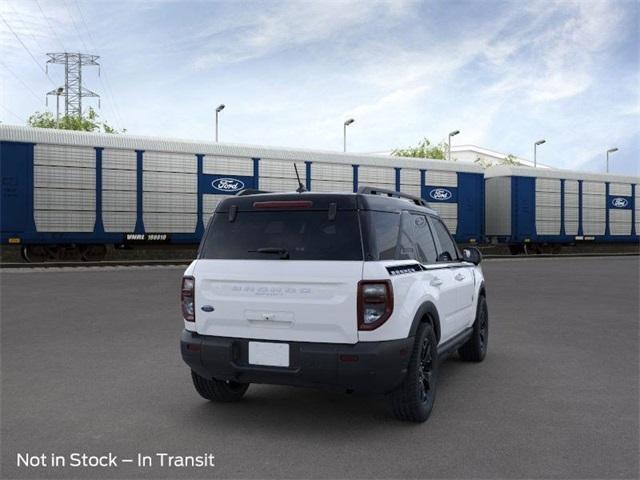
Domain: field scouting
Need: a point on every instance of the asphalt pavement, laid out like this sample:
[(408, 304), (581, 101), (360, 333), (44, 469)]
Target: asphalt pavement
[(90, 364)]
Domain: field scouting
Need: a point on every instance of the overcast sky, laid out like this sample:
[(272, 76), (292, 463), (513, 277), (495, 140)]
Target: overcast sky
[(290, 73)]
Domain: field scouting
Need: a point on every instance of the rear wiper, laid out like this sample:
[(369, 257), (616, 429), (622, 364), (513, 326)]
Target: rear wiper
[(283, 252)]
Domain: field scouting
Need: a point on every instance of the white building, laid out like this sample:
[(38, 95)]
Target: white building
[(471, 154)]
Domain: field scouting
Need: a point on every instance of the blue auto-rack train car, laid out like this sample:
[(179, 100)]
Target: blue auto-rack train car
[(549, 207), (78, 192)]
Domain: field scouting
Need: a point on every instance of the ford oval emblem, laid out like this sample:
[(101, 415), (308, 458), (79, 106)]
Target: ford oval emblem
[(228, 184), (440, 194), (619, 202)]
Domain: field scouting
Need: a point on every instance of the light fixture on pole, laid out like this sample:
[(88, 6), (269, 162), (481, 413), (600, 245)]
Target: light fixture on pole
[(535, 152), (451, 134), (218, 110), (58, 93), (611, 150), (344, 134)]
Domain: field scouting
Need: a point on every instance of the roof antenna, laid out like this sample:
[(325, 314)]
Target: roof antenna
[(300, 188)]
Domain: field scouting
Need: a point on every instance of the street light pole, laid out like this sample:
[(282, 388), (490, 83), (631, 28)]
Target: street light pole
[(344, 133), (58, 93), (535, 152), (451, 134), (218, 110), (611, 150)]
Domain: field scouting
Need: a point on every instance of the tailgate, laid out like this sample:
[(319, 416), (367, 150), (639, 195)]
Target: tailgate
[(308, 301)]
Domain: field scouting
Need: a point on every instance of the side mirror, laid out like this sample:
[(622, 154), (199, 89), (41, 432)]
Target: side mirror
[(472, 254)]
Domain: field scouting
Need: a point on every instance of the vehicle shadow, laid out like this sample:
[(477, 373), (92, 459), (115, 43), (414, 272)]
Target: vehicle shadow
[(279, 408)]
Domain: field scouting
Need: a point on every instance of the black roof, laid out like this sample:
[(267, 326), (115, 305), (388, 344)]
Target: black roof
[(321, 201)]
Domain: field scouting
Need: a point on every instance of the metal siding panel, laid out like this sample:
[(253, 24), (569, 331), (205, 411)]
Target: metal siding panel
[(547, 185), (593, 188), (376, 176), (64, 156), (118, 180), (385, 186), (410, 176), (209, 205), (170, 202), (217, 165), (279, 184), (169, 182), (548, 206), (411, 189), (332, 172), (118, 159), (620, 221), (498, 206), (637, 209), (64, 220), (64, 177), (441, 178), (571, 186), (620, 189), (449, 214), (331, 186), (169, 162), (64, 199), (270, 168), (116, 222), (170, 222)]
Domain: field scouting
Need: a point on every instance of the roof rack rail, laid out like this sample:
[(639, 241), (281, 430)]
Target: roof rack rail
[(250, 191), (392, 193)]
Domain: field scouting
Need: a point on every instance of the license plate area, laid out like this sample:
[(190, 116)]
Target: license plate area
[(269, 354)]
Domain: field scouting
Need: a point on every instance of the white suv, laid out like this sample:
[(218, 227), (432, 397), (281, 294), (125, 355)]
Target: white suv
[(358, 291)]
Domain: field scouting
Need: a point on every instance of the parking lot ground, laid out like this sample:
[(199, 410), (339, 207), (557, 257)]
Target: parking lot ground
[(90, 363)]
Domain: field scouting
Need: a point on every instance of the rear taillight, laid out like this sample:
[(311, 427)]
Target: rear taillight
[(188, 298), (375, 303)]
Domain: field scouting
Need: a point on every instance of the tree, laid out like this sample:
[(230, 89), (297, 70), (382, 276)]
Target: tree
[(508, 160), (424, 149), (86, 123)]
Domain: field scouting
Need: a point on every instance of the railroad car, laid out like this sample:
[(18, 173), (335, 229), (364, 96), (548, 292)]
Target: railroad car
[(77, 192), (541, 209)]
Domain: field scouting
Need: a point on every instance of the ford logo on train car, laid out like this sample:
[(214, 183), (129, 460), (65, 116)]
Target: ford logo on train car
[(619, 202), (440, 194), (228, 184)]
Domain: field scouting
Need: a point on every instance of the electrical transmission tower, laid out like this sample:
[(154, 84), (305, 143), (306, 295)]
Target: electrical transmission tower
[(73, 90)]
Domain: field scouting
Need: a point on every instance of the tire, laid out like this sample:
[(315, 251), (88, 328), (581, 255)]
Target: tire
[(218, 390), (413, 400), (475, 349)]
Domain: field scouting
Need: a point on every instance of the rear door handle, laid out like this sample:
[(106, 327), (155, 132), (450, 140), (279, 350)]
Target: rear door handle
[(435, 282), (459, 277)]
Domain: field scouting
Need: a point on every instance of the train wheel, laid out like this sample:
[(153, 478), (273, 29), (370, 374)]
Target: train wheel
[(34, 253), (93, 253)]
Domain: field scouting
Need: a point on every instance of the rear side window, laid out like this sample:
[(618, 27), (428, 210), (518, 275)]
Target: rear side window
[(273, 235), (425, 246), (448, 251), (398, 236)]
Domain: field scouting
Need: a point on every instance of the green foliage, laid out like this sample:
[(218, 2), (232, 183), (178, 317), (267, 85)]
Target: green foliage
[(424, 149), (508, 160), (87, 123)]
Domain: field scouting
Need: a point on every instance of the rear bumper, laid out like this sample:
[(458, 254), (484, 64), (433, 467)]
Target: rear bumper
[(373, 367)]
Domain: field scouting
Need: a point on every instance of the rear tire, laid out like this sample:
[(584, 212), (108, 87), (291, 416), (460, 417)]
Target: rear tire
[(218, 390), (413, 400), (475, 349)]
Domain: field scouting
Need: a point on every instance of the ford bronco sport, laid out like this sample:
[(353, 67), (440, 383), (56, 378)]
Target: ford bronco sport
[(358, 291)]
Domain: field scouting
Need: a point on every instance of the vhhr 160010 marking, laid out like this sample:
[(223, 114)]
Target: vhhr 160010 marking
[(358, 291)]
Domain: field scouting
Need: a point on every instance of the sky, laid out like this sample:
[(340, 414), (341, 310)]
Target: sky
[(504, 73)]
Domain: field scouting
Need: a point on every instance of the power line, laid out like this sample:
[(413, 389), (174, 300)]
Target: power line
[(27, 49), (106, 84), (9, 111), (73, 21), (20, 80), (24, 26), (50, 26)]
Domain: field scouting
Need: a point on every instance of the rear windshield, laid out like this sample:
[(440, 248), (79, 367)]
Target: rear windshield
[(273, 235)]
